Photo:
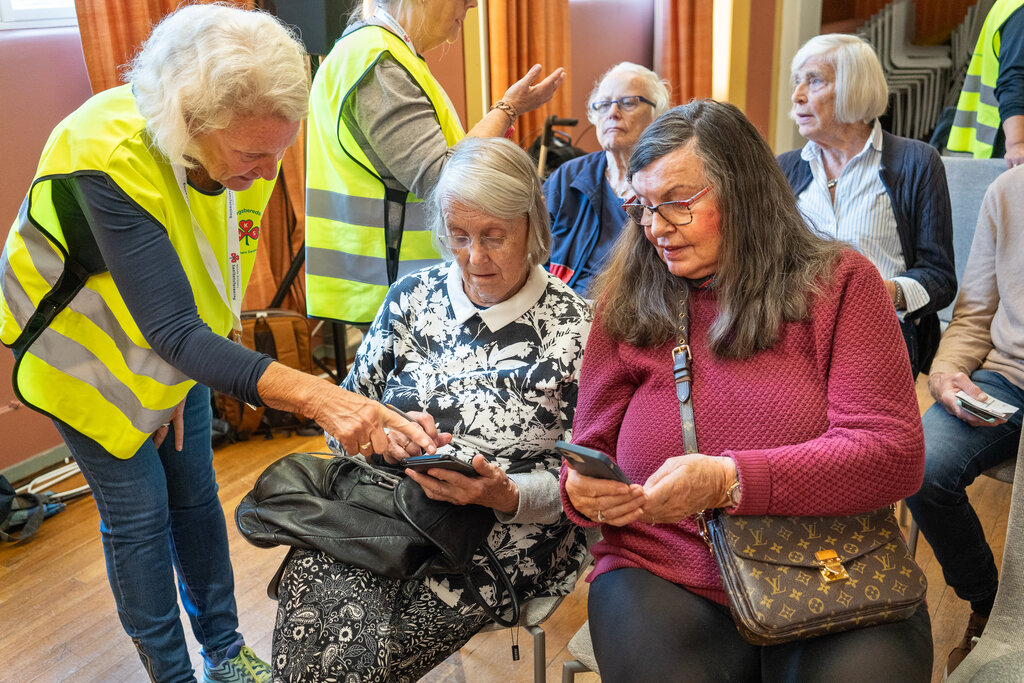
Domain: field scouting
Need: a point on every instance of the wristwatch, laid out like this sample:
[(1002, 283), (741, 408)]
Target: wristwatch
[(733, 494), (900, 302)]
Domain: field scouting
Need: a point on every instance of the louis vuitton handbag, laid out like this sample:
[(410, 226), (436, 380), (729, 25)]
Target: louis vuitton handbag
[(789, 578)]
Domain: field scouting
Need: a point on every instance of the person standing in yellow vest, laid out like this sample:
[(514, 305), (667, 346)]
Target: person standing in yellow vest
[(119, 283), (381, 129), (989, 120)]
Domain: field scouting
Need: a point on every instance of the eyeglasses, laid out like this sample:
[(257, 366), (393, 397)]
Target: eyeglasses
[(628, 103), (465, 241), (676, 213)]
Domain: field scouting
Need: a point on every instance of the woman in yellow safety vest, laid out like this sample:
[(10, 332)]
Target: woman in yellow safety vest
[(121, 280), (380, 131)]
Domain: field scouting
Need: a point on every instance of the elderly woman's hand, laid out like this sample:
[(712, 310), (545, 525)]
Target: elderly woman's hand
[(492, 488), (685, 485), (943, 387), (178, 420), (526, 95), (605, 500), (357, 422), (401, 446)]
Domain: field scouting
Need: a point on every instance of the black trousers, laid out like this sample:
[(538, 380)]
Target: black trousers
[(645, 628)]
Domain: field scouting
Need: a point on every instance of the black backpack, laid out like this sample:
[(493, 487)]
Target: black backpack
[(23, 510)]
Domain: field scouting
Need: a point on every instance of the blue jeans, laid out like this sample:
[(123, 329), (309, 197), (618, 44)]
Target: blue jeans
[(955, 454), (159, 515)]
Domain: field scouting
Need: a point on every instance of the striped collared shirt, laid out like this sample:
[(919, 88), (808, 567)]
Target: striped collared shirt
[(862, 213)]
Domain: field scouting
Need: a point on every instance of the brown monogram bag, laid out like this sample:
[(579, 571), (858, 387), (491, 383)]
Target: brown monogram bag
[(789, 578), (800, 577)]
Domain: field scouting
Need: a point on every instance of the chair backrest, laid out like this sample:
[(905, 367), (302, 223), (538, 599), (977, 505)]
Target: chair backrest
[(968, 179)]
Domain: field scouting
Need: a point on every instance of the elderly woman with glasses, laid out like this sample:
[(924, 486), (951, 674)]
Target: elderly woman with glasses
[(801, 397), (486, 346), (585, 195), (885, 195)]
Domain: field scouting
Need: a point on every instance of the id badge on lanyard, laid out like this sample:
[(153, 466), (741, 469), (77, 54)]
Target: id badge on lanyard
[(230, 292)]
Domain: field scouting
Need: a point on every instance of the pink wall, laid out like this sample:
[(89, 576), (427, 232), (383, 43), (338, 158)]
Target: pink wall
[(604, 33), (43, 79)]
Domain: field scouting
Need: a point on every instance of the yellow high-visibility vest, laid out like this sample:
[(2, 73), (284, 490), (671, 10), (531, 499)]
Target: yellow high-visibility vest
[(82, 358), (346, 255), (977, 121)]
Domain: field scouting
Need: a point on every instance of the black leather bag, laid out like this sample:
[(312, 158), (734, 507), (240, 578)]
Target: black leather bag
[(371, 517)]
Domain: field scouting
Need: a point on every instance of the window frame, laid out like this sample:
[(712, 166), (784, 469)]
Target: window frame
[(12, 17)]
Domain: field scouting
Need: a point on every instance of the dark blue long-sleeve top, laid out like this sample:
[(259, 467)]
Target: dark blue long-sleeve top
[(150, 278)]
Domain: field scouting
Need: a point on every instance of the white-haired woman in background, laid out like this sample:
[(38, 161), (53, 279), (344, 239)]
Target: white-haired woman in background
[(488, 345), (585, 195), (885, 195), (122, 278)]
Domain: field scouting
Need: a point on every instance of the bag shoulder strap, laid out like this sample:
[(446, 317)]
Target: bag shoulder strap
[(506, 584), (681, 359)]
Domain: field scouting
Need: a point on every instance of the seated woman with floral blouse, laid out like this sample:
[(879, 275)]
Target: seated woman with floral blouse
[(489, 346)]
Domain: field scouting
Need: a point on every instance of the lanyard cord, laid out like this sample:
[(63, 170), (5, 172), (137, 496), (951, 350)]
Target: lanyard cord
[(231, 293)]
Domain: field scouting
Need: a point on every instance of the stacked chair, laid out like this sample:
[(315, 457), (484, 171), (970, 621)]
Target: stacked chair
[(922, 79)]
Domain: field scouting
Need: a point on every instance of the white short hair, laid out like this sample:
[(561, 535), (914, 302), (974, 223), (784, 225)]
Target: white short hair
[(656, 89), (203, 65), (862, 94), (497, 177)]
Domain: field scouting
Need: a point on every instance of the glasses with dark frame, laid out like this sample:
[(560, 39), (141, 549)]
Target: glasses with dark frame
[(628, 103), (677, 213)]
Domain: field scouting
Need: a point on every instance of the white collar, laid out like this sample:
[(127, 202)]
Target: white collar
[(501, 314)]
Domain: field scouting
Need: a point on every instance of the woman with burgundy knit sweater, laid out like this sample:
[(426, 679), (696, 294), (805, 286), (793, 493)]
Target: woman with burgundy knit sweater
[(802, 401)]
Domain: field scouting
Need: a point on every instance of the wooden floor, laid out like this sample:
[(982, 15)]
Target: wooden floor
[(58, 623)]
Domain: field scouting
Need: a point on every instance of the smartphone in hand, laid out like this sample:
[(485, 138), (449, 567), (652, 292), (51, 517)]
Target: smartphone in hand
[(443, 461), (590, 462), (991, 410)]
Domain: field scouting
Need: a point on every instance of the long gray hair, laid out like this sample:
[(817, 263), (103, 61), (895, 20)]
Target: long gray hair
[(769, 263)]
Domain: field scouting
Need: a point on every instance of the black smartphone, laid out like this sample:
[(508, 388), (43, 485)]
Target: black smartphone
[(444, 461), (589, 462)]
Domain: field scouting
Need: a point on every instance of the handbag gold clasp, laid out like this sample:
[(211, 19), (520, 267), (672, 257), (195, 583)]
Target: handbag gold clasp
[(831, 567)]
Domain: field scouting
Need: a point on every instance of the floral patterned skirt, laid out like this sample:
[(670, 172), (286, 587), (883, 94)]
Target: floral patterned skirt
[(337, 622)]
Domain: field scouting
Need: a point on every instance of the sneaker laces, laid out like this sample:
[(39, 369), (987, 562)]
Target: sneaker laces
[(253, 665)]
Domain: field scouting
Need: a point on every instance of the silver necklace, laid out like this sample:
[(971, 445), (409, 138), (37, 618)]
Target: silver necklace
[(831, 182)]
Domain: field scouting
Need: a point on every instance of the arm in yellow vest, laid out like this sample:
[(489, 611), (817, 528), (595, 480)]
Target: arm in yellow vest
[(352, 419)]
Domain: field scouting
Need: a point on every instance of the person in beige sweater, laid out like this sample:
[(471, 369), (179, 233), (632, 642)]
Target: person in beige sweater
[(982, 354)]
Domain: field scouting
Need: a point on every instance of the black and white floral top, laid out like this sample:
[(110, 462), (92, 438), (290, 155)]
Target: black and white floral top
[(506, 375)]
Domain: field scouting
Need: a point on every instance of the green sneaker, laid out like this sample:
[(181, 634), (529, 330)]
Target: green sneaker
[(245, 667)]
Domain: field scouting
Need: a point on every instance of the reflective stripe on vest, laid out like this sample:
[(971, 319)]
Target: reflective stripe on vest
[(90, 366), (976, 122), (346, 254)]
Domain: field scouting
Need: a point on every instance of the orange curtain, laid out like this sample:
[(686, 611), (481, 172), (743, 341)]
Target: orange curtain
[(522, 33), (112, 33), (683, 35)]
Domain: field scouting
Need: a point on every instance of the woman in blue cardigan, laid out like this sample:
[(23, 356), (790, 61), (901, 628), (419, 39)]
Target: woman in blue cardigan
[(585, 195), (885, 195)]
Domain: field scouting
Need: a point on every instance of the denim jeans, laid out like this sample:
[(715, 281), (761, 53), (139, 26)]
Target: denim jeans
[(955, 454), (159, 515)]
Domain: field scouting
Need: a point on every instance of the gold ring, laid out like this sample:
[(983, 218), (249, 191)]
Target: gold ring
[(600, 516), (366, 445)]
